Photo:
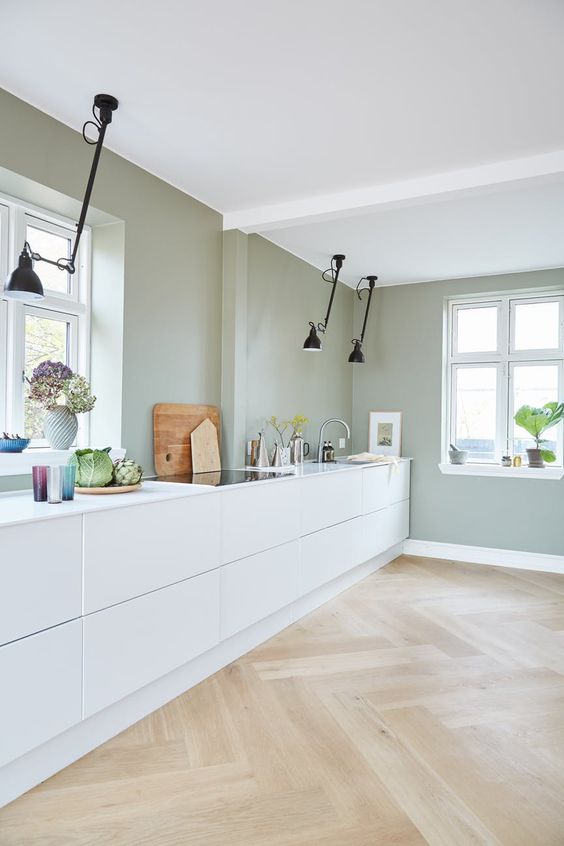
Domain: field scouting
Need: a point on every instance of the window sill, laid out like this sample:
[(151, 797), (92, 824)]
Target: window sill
[(525, 472), (20, 463)]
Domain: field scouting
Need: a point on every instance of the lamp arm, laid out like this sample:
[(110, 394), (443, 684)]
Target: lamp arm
[(370, 291), (359, 292), (106, 104), (338, 261), (87, 195)]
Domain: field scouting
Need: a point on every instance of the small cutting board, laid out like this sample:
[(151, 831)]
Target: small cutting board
[(173, 423), (205, 448)]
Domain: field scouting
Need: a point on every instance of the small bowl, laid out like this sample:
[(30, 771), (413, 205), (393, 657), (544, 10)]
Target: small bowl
[(13, 444), (458, 456)]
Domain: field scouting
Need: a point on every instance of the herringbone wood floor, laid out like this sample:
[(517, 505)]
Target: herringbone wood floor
[(424, 705)]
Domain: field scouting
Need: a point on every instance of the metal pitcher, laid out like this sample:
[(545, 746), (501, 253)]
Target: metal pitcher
[(299, 449)]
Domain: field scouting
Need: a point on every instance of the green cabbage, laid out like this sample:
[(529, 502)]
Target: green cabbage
[(94, 467)]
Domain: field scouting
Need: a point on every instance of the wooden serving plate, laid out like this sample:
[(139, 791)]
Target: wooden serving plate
[(111, 489)]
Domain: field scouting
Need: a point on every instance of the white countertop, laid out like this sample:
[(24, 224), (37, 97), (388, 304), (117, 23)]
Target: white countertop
[(19, 507)]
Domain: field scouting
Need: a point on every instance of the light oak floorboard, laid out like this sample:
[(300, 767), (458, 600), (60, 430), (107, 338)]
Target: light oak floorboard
[(423, 706)]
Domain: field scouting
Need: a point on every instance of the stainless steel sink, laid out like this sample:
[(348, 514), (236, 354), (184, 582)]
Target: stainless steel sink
[(342, 459)]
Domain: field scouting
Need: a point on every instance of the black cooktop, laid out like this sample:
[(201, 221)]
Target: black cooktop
[(219, 478)]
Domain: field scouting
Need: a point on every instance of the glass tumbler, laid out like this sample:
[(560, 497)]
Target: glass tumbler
[(55, 483), (69, 479), (39, 475)]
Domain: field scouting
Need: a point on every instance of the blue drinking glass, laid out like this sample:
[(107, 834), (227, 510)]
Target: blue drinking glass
[(69, 479)]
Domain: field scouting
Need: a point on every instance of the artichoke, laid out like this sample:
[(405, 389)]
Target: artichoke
[(127, 472)]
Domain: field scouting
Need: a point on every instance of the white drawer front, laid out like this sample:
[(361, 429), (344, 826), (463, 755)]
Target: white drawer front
[(132, 644), (41, 683), (131, 551), (385, 528), (40, 576), (329, 553), (382, 486), (259, 517), (329, 499), (255, 587)]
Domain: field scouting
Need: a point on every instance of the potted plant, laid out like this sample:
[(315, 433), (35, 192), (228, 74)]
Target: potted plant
[(536, 421), (296, 425), (63, 394)]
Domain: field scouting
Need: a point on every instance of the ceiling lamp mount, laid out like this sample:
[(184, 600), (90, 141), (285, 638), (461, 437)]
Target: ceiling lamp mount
[(24, 284), (357, 356), (313, 342)]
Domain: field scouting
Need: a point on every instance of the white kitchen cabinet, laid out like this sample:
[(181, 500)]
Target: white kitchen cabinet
[(41, 688), (131, 551), (134, 643), (259, 517), (385, 485), (40, 575), (257, 586), (329, 553), (330, 498), (385, 528)]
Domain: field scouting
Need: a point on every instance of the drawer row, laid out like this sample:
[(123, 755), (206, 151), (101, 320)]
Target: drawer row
[(60, 569), (55, 678)]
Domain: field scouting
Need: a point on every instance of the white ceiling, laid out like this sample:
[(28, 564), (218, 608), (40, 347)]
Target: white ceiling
[(304, 112), (505, 230)]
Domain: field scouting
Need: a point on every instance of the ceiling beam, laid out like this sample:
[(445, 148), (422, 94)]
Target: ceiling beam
[(407, 192)]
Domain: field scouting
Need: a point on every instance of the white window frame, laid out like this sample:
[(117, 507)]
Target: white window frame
[(4, 255), (505, 358), (73, 307)]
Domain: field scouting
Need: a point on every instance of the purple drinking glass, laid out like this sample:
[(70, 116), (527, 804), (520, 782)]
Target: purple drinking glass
[(39, 475)]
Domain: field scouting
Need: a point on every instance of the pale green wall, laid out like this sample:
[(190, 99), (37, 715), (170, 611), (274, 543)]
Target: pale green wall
[(284, 293), (173, 255), (234, 348), (403, 371), (172, 298)]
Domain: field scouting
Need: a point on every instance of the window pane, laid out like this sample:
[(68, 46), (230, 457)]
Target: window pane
[(534, 385), (537, 326), (53, 247), (476, 389), (45, 339), (476, 329)]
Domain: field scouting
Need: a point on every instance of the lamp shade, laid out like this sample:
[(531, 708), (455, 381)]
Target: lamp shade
[(357, 356), (24, 283), (313, 342)]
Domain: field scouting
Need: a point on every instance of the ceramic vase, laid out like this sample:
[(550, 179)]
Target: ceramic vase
[(60, 427), (285, 456)]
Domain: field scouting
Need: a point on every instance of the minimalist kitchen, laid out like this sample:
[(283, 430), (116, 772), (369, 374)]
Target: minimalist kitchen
[(281, 425)]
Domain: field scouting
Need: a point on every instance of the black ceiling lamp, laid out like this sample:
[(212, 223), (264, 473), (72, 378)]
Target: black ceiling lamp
[(24, 283), (313, 342), (357, 356)]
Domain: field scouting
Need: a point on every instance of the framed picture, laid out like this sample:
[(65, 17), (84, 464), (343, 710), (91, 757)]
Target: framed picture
[(384, 432)]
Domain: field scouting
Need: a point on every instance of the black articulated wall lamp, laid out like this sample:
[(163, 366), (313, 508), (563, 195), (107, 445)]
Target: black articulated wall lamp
[(357, 356), (313, 342), (24, 283)]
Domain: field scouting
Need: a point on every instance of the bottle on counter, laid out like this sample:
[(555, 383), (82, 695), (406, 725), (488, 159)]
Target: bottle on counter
[(330, 452), (325, 451)]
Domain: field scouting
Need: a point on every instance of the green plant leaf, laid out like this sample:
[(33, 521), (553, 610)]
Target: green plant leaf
[(548, 456), (535, 421), (555, 413)]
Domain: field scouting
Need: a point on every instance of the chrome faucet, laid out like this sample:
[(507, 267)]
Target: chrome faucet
[(321, 431)]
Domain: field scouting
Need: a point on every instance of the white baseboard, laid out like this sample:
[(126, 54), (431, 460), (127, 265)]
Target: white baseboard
[(485, 555), (26, 772)]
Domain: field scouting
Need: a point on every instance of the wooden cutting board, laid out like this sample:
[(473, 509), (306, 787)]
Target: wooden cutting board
[(205, 448), (173, 423)]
